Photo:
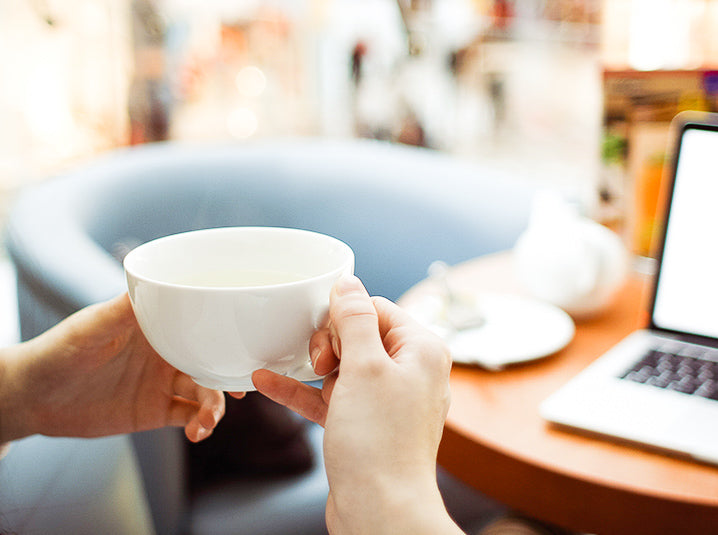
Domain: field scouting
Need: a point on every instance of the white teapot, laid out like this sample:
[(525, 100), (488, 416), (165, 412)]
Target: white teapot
[(569, 260)]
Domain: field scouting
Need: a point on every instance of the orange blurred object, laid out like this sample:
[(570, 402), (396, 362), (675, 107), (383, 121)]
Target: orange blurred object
[(647, 199)]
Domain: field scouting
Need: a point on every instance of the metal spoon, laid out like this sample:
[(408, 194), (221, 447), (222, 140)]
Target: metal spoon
[(460, 313)]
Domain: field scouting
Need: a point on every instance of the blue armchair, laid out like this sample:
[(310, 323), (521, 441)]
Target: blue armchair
[(399, 208)]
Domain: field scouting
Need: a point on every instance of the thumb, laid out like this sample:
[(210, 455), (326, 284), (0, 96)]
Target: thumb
[(104, 319), (354, 319)]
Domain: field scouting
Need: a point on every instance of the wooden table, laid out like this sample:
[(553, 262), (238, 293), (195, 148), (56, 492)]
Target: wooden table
[(495, 440)]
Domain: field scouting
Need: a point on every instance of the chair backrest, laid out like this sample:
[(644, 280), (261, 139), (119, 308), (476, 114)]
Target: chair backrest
[(399, 208)]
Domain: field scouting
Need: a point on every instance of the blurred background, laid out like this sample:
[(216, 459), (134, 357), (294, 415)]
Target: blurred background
[(574, 93)]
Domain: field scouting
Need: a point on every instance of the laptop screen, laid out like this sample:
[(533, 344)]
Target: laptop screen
[(686, 298)]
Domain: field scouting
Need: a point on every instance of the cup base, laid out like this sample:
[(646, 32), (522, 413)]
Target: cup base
[(244, 384)]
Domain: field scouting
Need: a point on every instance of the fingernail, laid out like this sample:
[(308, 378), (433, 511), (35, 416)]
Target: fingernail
[(315, 355), (347, 283), (336, 346)]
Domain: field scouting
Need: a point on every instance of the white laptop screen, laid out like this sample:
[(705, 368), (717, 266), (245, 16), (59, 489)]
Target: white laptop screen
[(686, 297)]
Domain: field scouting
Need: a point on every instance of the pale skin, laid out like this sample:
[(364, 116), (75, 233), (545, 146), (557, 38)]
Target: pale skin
[(383, 406), (95, 374)]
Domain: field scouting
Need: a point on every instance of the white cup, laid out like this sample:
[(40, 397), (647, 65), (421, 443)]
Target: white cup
[(219, 304)]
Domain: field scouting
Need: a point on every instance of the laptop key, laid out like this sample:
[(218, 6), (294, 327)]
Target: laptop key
[(685, 385), (707, 388), (683, 372)]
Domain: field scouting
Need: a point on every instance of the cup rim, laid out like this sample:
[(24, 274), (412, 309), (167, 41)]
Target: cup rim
[(344, 266)]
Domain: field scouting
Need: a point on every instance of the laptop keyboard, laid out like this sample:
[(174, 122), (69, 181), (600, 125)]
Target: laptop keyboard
[(688, 369)]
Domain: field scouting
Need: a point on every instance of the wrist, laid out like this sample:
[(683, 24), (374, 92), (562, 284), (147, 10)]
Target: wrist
[(418, 510), (387, 505)]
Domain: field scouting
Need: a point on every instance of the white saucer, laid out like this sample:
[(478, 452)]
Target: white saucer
[(516, 329)]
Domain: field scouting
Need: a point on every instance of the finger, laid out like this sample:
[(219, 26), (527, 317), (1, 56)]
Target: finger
[(394, 319), (390, 315), (354, 318), (403, 335), (237, 395), (211, 402), (196, 432), (104, 325), (210, 414), (335, 341), (112, 314), (324, 359), (184, 413), (299, 397), (121, 307)]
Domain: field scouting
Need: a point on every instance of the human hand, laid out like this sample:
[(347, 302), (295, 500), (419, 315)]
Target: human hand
[(383, 409), (95, 374)]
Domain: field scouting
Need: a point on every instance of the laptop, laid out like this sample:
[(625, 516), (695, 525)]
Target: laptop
[(659, 386)]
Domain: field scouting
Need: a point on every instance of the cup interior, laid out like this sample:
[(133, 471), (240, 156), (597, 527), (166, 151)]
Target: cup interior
[(238, 257)]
